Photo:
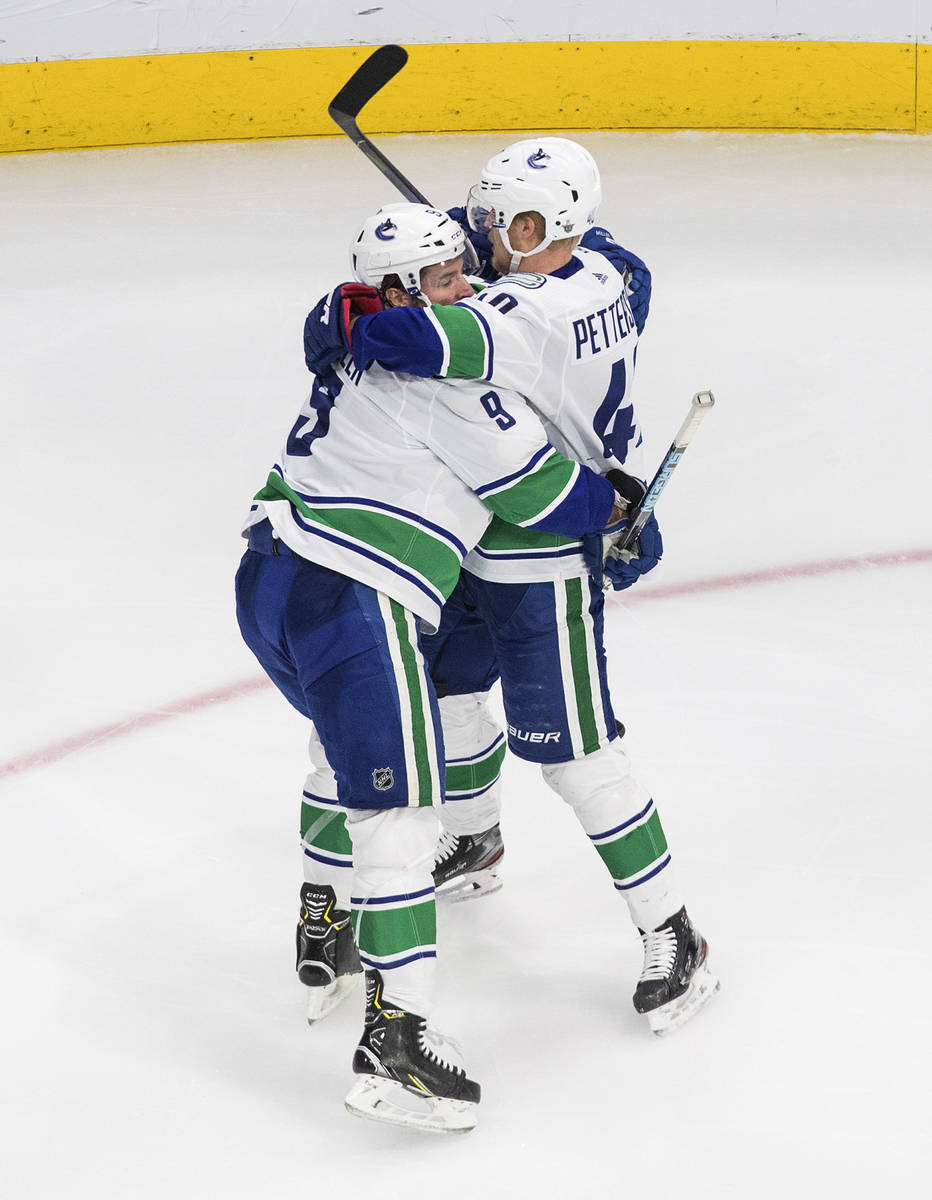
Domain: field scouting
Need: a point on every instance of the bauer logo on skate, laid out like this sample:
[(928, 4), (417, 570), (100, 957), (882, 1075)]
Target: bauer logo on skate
[(602, 329), (536, 736)]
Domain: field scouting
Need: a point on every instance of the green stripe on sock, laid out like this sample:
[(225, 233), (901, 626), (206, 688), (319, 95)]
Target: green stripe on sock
[(330, 834), (472, 776), (383, 933), (634, 852)]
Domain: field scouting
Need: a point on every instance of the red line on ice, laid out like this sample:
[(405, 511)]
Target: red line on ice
[(45, 755), (145, 720), (831, 566)]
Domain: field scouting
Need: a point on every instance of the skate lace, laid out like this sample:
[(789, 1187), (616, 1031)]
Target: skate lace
[(437, 1048), (446, 847), (659, 953)]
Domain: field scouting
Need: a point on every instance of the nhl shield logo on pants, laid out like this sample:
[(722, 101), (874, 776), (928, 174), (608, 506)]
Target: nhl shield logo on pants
[(382, 779)]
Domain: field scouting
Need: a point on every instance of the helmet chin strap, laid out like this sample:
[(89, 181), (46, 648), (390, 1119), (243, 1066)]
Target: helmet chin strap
[(518, 256)]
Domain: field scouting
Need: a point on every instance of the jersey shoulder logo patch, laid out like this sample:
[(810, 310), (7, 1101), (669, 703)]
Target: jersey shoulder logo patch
[(525, 279)]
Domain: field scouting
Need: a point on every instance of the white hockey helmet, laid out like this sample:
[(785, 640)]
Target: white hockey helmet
[(551, 176), (401, 239)]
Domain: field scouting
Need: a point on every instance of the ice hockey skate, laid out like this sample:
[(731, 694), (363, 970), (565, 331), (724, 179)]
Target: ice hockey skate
[(676, 980), (467, 865), (327, 959), (406, 1073)]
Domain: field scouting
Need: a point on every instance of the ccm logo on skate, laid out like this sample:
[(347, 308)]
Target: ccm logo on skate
[(526, 735)]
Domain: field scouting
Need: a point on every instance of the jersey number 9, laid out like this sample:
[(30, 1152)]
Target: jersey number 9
[(492, 404)]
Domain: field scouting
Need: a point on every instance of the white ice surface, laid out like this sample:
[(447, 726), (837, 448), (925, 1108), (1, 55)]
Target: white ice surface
[(153, 1039)]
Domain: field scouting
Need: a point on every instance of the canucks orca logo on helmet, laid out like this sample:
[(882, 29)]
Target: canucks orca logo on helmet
[(539, 160), (386, 231)]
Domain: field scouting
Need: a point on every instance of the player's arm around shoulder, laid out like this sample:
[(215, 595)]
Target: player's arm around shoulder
[(452, 341)]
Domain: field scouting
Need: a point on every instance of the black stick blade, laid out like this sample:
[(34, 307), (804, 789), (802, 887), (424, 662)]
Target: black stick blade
[(381, 66)]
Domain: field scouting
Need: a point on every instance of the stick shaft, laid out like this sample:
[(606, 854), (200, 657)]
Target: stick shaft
[(367, 81), (699, 406)]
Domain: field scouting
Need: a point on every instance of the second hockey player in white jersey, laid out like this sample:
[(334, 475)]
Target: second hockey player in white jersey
[(355, 542), (558, 326)]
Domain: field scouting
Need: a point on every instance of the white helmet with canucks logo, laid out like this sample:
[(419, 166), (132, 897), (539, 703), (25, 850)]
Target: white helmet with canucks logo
[(401, 239), (551, 176)]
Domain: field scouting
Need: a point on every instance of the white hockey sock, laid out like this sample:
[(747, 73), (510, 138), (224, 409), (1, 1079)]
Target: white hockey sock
[(393, 901), (326, 850), (474, 744), (326, 846), (651, 903), (620, 818)]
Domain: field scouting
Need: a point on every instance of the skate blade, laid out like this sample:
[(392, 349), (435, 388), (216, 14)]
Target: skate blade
[(470, 886), (380, 1099), (669, 1017), (323, 1000)]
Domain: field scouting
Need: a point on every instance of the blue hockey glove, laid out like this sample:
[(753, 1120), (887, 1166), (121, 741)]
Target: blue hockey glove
[(480, 243), (637, 276), (610, 566), (622, 568), (596, 546), (327, 332)]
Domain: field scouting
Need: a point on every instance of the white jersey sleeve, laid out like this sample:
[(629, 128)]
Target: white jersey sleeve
[(392, 480)]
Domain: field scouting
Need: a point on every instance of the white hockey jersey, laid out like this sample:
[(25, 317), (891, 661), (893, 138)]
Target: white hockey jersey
[(568, 343), (391, 480)]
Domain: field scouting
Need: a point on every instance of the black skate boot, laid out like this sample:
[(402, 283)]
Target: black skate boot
[(406, 1074), (466, 865), (327, 962), (676, 980)]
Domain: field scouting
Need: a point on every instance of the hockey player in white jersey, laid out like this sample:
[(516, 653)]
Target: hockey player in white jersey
[(354, 543), (557, 326)]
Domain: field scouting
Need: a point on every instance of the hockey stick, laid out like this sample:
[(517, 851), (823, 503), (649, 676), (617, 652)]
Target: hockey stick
[(700, 405), (366, 81), (369, 79)]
